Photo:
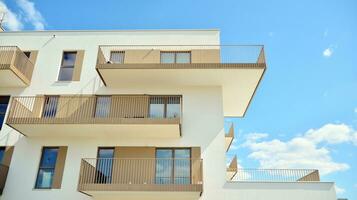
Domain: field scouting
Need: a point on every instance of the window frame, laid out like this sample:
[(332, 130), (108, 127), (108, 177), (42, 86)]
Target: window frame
[(172, 149), (165, 102), (175, 56), (39, 167), (67, 67)]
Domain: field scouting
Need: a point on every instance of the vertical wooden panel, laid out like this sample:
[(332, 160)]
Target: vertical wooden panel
[(196, 165), (205, 56), (7, 156), (59, 168), (33, 56), (142, 56), (78, 65)]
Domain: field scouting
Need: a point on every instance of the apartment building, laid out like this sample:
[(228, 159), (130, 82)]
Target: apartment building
[(132, 115)]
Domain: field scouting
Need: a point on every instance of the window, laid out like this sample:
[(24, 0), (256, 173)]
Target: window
[(27, 54), (4, 101), (47, 168), (50, 106), (173, 166), (175, 57), (102, 108), (164, 107), (2, 153), (117, 57), (67, 66), (104, 164)]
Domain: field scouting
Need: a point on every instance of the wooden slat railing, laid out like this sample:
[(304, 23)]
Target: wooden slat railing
[(12, 57), (3, 175), (120, 109), (142, 174), (277, 175)]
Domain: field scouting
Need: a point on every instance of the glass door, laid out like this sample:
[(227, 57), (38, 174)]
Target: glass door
[(104, 165), (173, 166)]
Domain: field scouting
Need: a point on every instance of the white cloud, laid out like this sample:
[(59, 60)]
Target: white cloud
[(328, 52), (355, 110), (306, 151), (11, 19), (326, 33), (32, 14), (339, 190)]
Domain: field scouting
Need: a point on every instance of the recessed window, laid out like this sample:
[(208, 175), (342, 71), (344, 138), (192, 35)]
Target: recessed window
[(102, 108), (117, 57), (175, 57), (67, 66), (47, 168), (50, 106), (164, 107), (173, 166), (4, 101), (104, 164)]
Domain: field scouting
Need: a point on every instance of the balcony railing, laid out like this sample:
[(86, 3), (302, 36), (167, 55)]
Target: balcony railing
[(120, 109), (276, 175), (190, 56), (115, 174), (12, 58), (3, 175)]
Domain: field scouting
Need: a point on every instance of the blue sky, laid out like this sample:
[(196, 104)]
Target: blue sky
[(307, 102)]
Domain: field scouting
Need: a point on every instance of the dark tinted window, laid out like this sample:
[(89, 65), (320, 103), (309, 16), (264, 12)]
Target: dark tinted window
[(47, 167), (104, 165), (4, 101), (67, 66), (2, 152)]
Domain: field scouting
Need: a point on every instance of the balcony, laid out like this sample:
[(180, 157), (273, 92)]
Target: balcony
[(277, 175), (232, 168), (121, 116), (3, 175), (15, 67), (229, 137), (141, 178), (237, 69)]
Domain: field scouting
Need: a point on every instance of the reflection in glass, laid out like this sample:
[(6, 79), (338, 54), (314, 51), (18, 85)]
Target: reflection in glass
[(167, 57), (183, 57), (104, 165), (173, 166), (102, 108), (47, 167)]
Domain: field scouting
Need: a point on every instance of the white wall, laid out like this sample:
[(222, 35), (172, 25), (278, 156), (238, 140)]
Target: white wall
[(202, 115)]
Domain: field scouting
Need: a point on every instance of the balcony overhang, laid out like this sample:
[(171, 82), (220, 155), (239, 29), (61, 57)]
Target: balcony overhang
[(15, 67), (11, 77), (238, 81), (136, 128)]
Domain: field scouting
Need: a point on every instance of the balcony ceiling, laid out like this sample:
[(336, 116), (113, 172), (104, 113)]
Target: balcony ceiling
[(142, 195), (8, 78)]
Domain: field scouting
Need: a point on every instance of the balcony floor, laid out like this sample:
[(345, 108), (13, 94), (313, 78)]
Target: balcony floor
[(143, 195)]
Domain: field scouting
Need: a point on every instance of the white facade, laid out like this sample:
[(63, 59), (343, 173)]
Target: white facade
[(202, 125)]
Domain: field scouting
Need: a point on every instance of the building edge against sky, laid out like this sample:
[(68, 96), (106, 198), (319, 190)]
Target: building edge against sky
[(132, 115)]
